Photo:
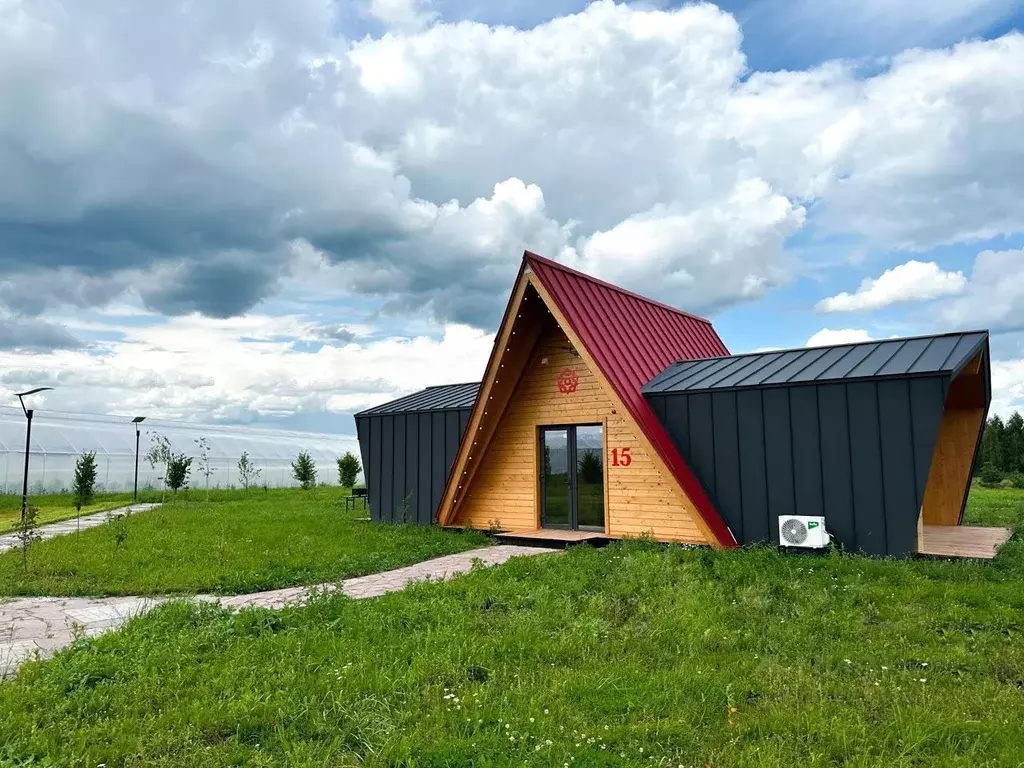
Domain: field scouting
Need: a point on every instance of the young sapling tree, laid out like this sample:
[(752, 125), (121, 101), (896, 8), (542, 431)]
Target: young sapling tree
[(247, 471), (348, 469), (203, 447), (178, 469), (84, 485), (304, 470), (159, 455)]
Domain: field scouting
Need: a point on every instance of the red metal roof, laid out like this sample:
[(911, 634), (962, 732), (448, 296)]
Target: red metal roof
[(632, 340)]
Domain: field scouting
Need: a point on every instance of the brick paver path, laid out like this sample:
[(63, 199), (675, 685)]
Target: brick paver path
[(8, 541), (43, 625)]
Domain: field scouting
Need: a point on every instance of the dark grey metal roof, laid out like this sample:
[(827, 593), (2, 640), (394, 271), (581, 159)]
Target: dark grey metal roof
[(917, 356), (445, 397)]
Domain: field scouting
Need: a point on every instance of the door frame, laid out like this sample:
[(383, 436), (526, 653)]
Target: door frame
[(570, 448)]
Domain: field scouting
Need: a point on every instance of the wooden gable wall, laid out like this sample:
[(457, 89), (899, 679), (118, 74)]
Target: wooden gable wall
[(963, 424), (504, 491)]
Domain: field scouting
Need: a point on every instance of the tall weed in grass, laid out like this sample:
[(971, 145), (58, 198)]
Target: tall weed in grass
[(26, 531)]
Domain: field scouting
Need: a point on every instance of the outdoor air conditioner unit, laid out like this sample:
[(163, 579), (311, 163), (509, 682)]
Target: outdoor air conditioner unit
[(802, 531)]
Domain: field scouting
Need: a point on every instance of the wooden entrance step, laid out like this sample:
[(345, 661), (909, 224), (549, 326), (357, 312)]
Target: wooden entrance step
[(552, 538), (962, 541)]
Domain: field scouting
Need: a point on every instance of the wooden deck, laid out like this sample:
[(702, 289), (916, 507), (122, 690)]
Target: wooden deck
[(553, 537), (962, 541)]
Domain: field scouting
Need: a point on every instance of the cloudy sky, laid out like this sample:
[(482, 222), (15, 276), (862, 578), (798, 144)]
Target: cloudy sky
[(250, 211)]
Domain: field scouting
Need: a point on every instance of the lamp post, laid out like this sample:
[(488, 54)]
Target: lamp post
[(136, 421), (28, 443)]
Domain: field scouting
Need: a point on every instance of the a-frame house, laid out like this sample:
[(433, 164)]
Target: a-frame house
[(606, 415), (561, 401)]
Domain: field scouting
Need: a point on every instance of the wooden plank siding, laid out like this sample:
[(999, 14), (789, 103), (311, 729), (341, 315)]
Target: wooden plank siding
[(504, 491), (949, 478)]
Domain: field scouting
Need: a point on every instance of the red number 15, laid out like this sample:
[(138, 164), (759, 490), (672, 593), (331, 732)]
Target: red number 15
[(621, 457)]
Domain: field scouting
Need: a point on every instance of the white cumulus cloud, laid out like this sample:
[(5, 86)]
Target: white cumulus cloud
[(830, 336), (912, 281), (994, 297), (214, 158), (1007, 386), (247, 369), (403, 14)]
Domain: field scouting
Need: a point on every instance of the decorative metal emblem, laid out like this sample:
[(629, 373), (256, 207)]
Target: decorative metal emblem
[(568, 381)]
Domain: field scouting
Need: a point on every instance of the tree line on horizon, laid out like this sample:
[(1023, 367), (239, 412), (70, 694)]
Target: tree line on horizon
[(1002, 451)]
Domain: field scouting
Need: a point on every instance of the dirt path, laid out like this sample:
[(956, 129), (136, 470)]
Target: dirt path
[(48, 531), (43, 625)]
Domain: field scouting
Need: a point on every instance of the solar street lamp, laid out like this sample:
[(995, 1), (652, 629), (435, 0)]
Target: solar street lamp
[(136, 421), (28, 443)]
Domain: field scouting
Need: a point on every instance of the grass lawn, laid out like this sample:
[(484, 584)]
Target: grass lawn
[(996, 506), (56, 507), (237, 542), (631, 655)]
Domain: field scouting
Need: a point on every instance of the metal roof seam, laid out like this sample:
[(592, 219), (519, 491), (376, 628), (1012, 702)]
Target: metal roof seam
[(833, 364), (890, 357), (853, 344), (866, 361), (458, 384), (627, 354), (604, 284), (945, 360), (443, 395), (689, 370), (780, 362), (971, 346), (622, 359), (676, 331), (760, 364), (771, 362), (703, 342), (652, 326), (866, 349), (435, 398), (716, 369), (740, 368), (636, 340), (917, 359), (813, 358), (684, 335), (965, 360)]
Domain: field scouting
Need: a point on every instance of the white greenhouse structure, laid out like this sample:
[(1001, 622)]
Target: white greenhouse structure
[(59, 438)]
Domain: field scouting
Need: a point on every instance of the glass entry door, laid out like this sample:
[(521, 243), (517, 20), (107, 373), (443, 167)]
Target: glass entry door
[(572, 477)]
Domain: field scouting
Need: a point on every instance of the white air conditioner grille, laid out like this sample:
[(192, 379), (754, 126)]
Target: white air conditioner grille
[(794, 532), (803, 531)]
